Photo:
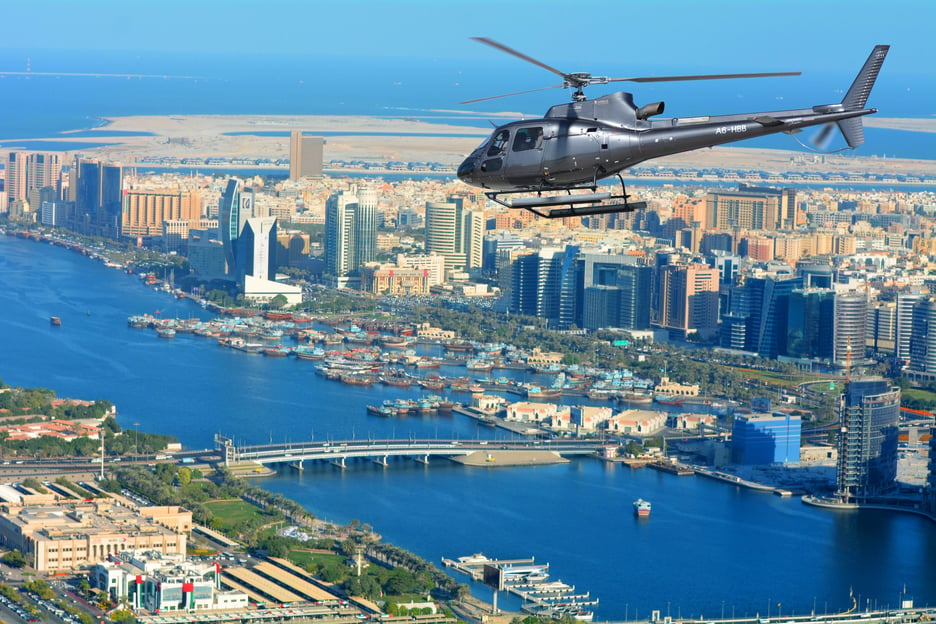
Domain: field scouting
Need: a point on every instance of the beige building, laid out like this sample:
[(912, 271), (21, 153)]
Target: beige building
[(144, 211), (390, 279), (64, 536), (671, 387)]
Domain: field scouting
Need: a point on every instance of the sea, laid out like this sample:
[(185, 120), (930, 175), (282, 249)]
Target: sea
[(709, 548), (43, 106)]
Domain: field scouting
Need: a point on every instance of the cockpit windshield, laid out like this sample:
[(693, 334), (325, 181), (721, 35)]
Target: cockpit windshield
[(499, 143)]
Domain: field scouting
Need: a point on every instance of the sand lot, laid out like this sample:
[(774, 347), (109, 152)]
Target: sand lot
[(406, 139)]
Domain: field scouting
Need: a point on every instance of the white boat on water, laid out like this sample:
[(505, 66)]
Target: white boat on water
[(475, 559), (642, 508)]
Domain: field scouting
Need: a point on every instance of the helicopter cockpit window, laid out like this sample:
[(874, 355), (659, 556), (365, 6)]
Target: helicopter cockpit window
[(527, 139), (499, 143)]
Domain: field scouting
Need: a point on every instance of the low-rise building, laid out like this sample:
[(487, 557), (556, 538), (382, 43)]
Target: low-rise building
[(691, 422), (529, 411), (637, 422), (163, 583), (68, 535), (766, 438), (588, 418), (676, 389)]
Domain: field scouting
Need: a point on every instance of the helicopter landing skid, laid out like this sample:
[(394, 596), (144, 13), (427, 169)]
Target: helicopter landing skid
[(573, 203)]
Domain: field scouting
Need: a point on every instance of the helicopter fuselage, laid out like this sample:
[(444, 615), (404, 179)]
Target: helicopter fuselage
[(580, 143)]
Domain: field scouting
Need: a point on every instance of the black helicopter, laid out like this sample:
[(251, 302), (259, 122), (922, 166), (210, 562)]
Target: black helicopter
[(578, 144)]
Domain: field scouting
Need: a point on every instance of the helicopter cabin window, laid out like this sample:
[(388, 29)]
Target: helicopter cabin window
[(527, 139), (499, 143)]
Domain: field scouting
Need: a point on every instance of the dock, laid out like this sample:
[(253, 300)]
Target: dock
[(530, 582)]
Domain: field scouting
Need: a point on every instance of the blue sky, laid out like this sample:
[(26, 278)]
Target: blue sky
[(715, 35)]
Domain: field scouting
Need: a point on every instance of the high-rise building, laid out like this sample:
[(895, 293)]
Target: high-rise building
[(758, 439), (234, 208), (543, 283), (850, 332), (98, 198), (616, 292), (689, 298), (810, 322), (882, 327), (771, 317), (922, 364), (350, 231), (455, 233), (869, 413), (306, 155), (26, 173), (905, 304), (751, 208), (364, 228), (257, 249), (145, 211), (339, 221)]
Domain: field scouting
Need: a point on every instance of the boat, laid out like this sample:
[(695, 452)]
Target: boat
[(474, 560), (165, 332), (537, 392), (55, 321), (635, 397), (308, 352), (668, 399), (478, 364), (641, 508)]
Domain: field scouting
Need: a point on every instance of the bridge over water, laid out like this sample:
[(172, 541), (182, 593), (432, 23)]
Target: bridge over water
[(380, 451)]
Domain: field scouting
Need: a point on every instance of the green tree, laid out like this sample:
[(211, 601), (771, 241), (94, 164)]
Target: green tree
[(14, 559), (184, 475), (278, 302)]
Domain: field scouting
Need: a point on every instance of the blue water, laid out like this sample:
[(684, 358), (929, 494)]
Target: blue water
[(706, 544), (41, 106)]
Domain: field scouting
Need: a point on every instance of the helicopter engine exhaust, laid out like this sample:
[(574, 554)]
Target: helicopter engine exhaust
[(649, 110)]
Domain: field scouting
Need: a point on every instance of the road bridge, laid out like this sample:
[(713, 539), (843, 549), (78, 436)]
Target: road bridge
[(380, 451)]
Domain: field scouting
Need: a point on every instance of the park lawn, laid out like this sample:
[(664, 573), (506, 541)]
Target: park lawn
[(303, 557), (233, 511), (919, 395)]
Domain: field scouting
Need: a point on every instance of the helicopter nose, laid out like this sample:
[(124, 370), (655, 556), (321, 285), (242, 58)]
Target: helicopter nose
[(466, 170)]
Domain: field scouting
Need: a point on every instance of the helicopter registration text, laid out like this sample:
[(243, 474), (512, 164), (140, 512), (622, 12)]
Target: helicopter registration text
[(737, 129)]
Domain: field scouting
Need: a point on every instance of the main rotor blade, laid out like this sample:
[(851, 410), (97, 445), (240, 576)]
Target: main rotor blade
[(702, 77), (503, 48), (494, 97)]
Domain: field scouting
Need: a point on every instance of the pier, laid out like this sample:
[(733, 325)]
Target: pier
[(527, 580)]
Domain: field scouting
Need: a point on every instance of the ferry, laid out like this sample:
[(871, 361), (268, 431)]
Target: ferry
[(641, 508)]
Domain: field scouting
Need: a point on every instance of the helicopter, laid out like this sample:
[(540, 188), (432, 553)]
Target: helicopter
[(544, 165)]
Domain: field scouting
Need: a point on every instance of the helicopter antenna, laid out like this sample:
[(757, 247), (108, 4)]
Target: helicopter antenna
[(580, 80)]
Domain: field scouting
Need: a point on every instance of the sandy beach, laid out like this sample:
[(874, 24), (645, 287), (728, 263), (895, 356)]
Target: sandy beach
[(395, 138)]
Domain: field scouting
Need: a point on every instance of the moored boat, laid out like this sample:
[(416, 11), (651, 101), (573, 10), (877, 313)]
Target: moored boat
[(668, 399)]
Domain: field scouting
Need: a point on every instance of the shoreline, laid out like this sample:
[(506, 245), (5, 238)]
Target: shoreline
[(420, 139)]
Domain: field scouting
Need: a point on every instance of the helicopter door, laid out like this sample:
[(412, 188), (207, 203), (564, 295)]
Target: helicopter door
[(525, 162), (492, 166)]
